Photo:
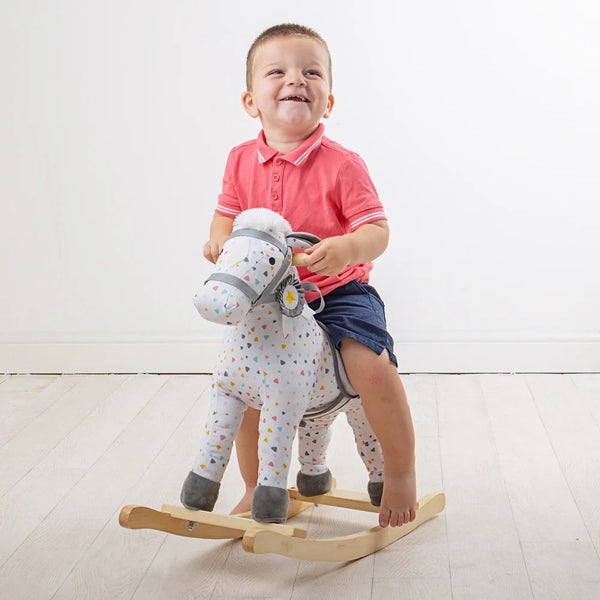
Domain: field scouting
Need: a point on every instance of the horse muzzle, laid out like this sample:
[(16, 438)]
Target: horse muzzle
[(222, 303)]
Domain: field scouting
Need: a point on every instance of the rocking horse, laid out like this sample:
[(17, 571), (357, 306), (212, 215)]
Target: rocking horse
[(278, 359)]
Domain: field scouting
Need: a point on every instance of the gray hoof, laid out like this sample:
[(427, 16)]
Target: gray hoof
[(314, 485), (270, 504), (199, 493), (375, 489)]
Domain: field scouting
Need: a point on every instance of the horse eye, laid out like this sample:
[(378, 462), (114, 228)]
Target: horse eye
[(272, 261)]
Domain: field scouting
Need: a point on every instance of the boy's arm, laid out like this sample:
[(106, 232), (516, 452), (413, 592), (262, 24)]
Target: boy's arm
[(220, 229), (332, 255)]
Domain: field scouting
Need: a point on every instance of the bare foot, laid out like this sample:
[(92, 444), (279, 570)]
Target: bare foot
[(399, 500), (245, 504)]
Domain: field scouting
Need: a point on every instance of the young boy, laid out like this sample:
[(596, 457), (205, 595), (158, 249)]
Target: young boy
[(322, 188)]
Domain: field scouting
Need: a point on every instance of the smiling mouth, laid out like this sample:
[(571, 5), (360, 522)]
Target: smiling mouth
[(294, 99)]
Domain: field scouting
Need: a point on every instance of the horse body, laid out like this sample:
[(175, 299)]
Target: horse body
[(283, 375), (276, 358)]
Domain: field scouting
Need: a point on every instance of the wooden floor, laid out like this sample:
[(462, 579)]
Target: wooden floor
[(518, 457)]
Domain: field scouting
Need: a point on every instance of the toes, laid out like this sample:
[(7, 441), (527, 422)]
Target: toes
[(400, 518), (384, 517), (388, 517), (408, 516)]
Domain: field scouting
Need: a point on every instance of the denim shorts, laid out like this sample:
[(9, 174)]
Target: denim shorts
[(355, 310)]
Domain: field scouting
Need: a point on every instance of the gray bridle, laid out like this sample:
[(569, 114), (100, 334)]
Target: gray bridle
[(269, 294)]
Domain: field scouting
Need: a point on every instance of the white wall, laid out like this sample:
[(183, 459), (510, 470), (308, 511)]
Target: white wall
[(479, 122)]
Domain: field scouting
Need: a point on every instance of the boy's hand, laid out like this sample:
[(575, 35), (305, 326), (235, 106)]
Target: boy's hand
[(330, 256), (213, 248), (220, 230)]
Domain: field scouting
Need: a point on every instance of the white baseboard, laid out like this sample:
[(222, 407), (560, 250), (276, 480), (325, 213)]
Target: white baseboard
[(198, 356), (499, 357), (146, 356)]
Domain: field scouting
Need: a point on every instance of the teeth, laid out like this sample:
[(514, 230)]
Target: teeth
[(296, 98)]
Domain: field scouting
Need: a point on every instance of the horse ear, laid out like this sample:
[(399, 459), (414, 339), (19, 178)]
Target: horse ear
[(301, 240)]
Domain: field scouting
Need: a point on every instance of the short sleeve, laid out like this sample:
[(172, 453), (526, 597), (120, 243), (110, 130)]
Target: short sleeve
[(228, 203), (356, 195)]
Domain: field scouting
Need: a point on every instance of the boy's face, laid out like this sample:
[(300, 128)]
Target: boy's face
[(290, 87)]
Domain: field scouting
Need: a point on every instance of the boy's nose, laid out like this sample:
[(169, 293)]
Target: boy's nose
[(296, 78)]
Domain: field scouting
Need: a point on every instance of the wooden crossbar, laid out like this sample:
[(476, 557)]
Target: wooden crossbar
[(235, 525), (341, 498)]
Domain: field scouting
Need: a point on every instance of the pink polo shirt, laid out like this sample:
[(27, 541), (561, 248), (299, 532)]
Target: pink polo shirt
[(321, 188)]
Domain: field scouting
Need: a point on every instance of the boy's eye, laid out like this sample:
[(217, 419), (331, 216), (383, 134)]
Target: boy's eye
[(275, 72), (313, 73)]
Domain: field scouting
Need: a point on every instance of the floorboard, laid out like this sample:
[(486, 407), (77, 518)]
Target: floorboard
[(518, 457), (484, 550), (138, 474), (22, 402)]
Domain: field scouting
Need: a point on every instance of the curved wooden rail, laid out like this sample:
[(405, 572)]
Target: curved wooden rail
[(265, 538), (349, 547)]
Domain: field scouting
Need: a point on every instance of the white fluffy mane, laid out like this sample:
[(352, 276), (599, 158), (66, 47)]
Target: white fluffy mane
[(262, 219)]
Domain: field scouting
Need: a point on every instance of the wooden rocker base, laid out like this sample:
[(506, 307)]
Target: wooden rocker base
[(286, 540)]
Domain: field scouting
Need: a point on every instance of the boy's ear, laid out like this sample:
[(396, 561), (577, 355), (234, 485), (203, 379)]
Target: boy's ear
[(249, 105), (330, 103)]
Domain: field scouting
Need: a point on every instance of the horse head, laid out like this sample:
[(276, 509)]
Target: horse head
[(255, 267)]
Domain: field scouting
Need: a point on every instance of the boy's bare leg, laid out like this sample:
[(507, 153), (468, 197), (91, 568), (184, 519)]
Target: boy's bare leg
[(246, 447), (377, 381)]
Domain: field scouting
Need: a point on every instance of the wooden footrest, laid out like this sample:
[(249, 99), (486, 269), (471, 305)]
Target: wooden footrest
[(341, 498), (235, 526), (201, 524)]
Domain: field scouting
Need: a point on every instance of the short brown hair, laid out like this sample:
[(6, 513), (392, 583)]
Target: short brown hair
[(284, 30)]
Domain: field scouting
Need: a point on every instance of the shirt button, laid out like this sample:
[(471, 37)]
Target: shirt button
[(276, 177), (274, 195)]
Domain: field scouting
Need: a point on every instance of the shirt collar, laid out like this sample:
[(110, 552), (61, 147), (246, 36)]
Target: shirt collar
[(296, 157)]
